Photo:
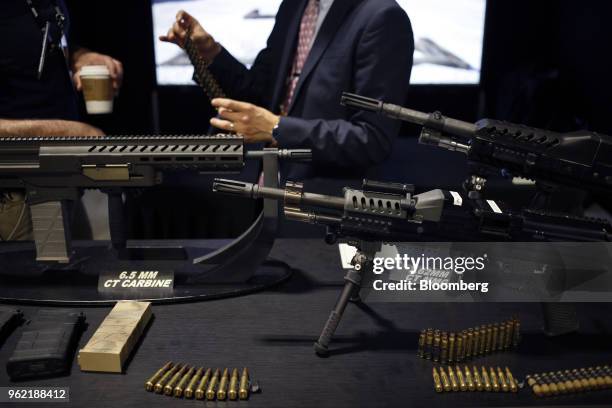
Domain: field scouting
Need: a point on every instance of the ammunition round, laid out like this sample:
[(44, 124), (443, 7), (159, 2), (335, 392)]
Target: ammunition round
[(200, 391), (222, 390), (436, 379), (159, 387), (193, 383), (150, 384), (243, 391), (233, 386), (169, 388), (212, 386), (182, 384)]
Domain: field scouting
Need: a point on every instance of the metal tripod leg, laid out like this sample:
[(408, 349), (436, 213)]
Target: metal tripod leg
[(351, 287), (353, 278)]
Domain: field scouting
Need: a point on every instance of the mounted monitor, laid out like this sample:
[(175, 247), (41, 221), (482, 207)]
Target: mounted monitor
[(448, 36)]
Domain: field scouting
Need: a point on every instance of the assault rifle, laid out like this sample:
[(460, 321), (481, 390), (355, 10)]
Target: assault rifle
[(581, 160), (392, 212), (53, 171)]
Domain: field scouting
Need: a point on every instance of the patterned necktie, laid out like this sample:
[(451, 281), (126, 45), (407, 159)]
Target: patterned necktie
[(305, 40)]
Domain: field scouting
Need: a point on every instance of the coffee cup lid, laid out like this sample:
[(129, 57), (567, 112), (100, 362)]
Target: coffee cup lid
[(94, 70)]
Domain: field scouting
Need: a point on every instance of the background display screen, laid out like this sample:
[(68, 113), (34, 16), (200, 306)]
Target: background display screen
[(448, 36)]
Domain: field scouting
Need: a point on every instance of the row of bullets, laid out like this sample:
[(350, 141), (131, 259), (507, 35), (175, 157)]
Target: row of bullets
[(473, 380), (186, 381), (450, 348), (570, 381)]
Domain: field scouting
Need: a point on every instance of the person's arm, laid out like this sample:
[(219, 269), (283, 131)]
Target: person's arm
[(382, 71), (46, 128), (383, 64), (252, 85)]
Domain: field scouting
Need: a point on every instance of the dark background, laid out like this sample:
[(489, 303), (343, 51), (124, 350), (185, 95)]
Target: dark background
[(545, 64)]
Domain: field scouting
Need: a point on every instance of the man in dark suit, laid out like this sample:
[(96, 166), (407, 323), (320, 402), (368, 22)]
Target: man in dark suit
[(290, 96)]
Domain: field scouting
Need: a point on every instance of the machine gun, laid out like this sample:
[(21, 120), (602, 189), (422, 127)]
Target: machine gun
[(53, 171), (580, 160), (392, 212)]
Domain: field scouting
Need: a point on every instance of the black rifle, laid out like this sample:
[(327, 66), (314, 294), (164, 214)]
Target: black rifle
[(54, 170), (392, 212), (581, 160)]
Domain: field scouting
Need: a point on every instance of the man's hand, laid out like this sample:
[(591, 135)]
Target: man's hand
[(206, 45), (84, 57), (254, 123)]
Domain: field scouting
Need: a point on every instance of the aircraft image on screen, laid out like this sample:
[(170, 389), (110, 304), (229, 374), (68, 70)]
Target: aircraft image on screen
[(448, 36)]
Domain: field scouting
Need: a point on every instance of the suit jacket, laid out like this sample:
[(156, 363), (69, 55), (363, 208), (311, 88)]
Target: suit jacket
[(363, 46)]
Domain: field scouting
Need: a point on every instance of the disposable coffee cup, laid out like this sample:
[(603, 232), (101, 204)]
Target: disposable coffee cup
[(97, 89)]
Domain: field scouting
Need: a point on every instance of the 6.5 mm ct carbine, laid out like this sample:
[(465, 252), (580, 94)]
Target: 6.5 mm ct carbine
[(54, 170)]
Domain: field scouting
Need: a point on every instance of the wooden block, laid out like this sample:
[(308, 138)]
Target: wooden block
[(112, 343)]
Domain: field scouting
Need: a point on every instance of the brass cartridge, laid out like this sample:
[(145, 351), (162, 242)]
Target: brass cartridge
[(567, 382), (445, 381), (232, 392), (511, 381), (590, 378), (453, 378), (193, 383), (421, 349), (243, 390), (552, 386), (559, 383), (485, 379), (477, 381), (436, 379), (212, 385), (462, 384), (468, 379), (469, 343), (159, 386), (444, 348), (483, 340), (495, 340), (451, 348), (494, 382), (150, 384), (576, 382), (436, 346), (200, 391), (169, 387), (503, 383), (460, 348), (539, 388), (184, 381), (607, 371), (476, 342), (509, 334), (429, 339), (222, 390), (489, 339), (502, 337), (516, 332)]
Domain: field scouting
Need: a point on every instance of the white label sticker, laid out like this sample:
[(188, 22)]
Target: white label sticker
[(457, 200), (494, 206)]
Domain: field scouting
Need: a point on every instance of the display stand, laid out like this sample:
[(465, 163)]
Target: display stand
[(201, 269)]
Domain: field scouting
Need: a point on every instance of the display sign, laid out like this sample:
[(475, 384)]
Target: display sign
[(142, 281)]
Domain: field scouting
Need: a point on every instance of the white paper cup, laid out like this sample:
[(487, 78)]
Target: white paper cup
[(97, 89)]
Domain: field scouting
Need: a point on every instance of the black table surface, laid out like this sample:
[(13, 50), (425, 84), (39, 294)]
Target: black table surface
[(373, 362)]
